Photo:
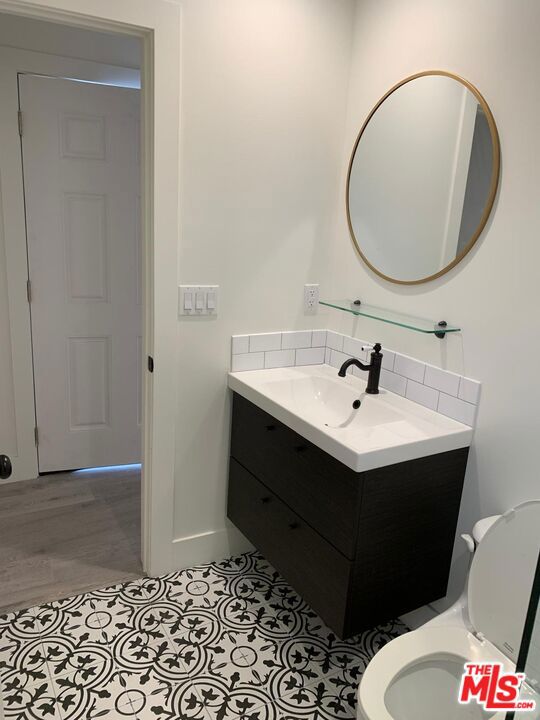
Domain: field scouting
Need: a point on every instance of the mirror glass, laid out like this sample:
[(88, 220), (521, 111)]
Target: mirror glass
[(422, 178)]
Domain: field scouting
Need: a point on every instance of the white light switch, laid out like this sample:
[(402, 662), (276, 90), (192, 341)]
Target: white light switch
[(197, 300)]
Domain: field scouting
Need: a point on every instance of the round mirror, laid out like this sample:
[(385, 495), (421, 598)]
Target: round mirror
[(422, 177)]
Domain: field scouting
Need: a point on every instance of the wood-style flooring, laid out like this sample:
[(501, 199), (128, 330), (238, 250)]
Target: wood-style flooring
[(67, 533)]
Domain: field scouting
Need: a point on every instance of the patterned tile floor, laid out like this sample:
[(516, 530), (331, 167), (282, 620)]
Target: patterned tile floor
[(224, 641)]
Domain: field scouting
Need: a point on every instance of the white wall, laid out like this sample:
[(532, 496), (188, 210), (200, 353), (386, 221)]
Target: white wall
[(264, 87), (58, 39), (8, 435), (495, 292)]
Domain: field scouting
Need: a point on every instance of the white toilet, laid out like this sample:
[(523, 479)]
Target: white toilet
[(417, 675)]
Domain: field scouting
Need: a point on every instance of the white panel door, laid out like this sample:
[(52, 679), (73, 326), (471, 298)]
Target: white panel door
[(81, 173)]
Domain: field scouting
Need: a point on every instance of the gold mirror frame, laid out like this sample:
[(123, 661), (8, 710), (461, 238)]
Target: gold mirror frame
[(494, 182)]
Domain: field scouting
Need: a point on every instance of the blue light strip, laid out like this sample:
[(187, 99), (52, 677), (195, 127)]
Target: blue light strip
[(110, 468)]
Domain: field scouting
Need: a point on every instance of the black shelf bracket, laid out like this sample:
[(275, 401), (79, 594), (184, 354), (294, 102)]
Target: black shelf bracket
[(442, 324)]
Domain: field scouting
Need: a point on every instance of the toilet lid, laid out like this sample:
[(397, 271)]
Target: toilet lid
[(501, 577)]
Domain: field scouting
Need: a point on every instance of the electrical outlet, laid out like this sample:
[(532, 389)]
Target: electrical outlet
[(311, 299)]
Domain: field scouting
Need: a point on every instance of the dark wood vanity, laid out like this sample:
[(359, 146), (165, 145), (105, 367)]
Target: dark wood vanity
[(360, 548)]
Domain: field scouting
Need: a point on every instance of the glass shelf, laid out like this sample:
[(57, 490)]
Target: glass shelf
[(391, 316)]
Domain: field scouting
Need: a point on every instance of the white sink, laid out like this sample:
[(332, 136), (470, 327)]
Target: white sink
[(318, 404)]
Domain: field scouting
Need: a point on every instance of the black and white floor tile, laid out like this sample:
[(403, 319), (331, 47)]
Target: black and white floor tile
[(223, 641)]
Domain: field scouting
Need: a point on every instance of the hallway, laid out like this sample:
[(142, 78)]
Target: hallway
[(67, 533)]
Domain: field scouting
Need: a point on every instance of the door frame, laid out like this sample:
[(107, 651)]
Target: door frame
[(157, 24)]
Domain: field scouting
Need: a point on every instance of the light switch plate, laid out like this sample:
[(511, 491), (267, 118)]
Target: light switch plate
[(198, 300)]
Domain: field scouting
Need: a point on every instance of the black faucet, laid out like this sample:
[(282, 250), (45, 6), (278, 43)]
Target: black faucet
[(374, 369)]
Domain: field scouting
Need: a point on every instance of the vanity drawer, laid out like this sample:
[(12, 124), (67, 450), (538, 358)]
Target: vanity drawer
[(316, 570), (323, 491)]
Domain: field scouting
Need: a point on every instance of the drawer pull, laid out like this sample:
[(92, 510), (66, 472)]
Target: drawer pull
[(265, 500), (270, 428), (301, 448), (294, 526)]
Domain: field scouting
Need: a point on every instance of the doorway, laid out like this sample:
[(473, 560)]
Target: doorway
[(75, 523), (155, 26)]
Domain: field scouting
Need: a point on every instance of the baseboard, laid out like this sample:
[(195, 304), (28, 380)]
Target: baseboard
[(209, 547), (216, 545)]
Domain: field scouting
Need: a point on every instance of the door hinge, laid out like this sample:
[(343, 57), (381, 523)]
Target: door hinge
[(150, 364), (36, 435), (20, 122), (29, 290)]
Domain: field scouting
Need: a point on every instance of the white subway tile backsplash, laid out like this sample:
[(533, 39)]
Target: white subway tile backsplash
[(337, 358), (469, 390), (334, 340), (457, 409), (388, 359), (441, 380), (395, 383), (353, 347), (318, 338), (422, 394), (264, 341), (279, 358), (296, 339), (310, 356), (240, 344), (409, 368), (248, 361), (441, 390)]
